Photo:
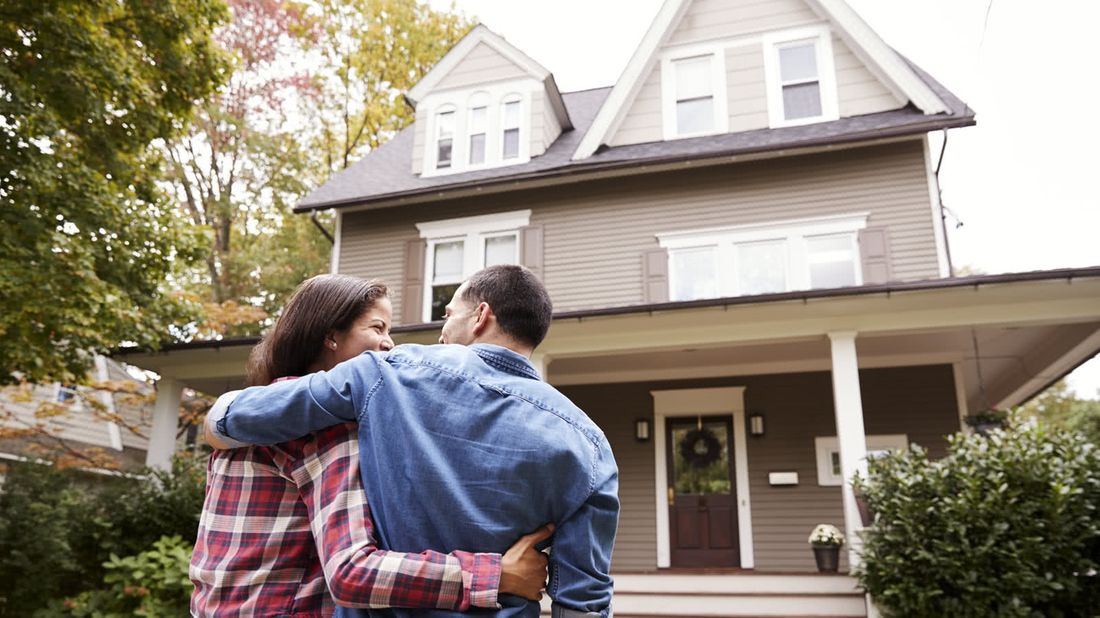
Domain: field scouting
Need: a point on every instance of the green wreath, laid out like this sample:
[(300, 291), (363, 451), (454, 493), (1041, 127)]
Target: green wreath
[(700, 448)]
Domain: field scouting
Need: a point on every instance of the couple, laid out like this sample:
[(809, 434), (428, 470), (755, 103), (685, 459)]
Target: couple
[(460, 448)]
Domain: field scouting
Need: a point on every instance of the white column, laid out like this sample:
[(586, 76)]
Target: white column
[(541, 362), (166, 416), (850, 435)]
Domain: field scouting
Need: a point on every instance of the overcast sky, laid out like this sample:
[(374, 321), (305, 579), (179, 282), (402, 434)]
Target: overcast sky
[(1023, 182)]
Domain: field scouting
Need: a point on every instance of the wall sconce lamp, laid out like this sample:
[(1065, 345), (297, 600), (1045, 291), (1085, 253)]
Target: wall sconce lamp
[(641, 430), (756, 424)]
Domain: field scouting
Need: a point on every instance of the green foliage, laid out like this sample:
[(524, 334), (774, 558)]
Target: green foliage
[(58, 528), (1060, 407), (1007, 525), (86, 239)]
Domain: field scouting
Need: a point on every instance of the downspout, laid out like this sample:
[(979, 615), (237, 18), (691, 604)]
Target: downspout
[(943, 212), (332, 241)]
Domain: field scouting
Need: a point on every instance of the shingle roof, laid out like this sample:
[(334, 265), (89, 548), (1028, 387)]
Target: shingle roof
[(386, 172)]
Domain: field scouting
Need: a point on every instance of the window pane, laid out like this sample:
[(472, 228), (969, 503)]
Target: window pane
[(695, 273), (703, 473), (443, 156), (446, 124), (832, 261), (693, 78), (798, 62), (511, 115), (696, 116), (500, 250), (511, 143), (477, 149), (447, 262), (441, 295), (762, 267), (802, 101), (477, 119)]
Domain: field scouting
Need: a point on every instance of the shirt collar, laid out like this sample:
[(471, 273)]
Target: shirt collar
[(506, 360)]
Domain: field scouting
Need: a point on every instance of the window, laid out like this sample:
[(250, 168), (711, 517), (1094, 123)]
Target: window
[(828, 454), (510, 124), (457, 248), (801, 78), (694, 95), (798, 80), (764, 259), (445, 131), (66, 393), (476, 127)]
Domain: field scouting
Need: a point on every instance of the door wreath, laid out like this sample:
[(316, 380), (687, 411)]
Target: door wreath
[(700, 448)]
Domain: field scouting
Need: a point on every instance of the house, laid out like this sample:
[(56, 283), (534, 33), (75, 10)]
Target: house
[(745, 246)]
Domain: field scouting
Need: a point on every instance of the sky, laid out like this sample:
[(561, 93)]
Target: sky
[(1022, 183)]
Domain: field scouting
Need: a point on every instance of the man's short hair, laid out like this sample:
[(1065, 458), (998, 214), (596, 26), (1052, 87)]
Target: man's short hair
[(519, 301)]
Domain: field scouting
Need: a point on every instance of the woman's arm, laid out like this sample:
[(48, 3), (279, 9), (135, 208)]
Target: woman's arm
[(359, 574)]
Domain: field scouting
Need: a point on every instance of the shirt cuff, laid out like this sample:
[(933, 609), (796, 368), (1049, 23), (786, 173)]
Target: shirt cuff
[(481, 576), (216, 417), (557, 611)]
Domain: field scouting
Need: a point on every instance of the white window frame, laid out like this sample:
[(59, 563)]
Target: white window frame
[(480, 99), (474, 232), (504, 102), (437, 127), (74, 402), (794, 232), (826, 446), (821, 36), (718, 82)]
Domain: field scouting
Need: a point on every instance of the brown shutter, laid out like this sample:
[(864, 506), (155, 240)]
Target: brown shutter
[(412, 290), (874, 252), (530, 248), (655, 275)]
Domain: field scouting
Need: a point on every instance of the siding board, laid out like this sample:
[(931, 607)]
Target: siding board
[(482, 65)]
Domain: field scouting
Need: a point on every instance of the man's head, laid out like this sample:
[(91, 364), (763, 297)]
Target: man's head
[(506, 305)]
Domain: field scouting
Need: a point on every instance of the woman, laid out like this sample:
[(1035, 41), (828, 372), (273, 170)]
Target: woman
[(285, 530)]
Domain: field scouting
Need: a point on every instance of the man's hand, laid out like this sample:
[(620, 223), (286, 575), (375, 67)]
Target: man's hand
[(523, 568)]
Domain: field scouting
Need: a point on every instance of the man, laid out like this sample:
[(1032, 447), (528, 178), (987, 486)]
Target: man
[(463, 446)]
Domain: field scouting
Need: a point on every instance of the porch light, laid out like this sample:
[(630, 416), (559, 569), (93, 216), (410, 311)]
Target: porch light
[(641, 430), (756, 424)]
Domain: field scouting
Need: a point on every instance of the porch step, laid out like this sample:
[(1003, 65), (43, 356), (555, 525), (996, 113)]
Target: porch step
[(736, 595)]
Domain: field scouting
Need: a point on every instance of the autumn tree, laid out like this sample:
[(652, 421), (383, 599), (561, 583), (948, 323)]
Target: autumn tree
[(1064, 409)]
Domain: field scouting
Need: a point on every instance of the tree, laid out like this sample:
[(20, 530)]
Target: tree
[(86, 237), (1063, 409)]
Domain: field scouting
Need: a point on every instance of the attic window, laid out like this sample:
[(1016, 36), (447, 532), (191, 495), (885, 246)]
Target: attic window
[(477, 123), (445, 132), (511, 124), (799, 81), (801, 77), (694, 96)]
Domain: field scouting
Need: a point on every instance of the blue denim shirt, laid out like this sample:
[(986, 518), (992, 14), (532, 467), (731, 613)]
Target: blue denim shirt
[(462, 448)]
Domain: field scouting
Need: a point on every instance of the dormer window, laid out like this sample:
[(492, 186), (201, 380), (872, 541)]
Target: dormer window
[(444, 138), (694, 95), (476, 124), (510, 124), (801, 82)]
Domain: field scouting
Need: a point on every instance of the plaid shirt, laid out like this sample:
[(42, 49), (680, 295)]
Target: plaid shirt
[(281, 521)]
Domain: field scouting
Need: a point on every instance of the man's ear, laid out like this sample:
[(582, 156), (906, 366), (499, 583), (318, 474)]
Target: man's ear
[(483, 318)]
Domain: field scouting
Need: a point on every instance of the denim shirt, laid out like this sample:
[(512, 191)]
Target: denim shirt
[(462, 448)]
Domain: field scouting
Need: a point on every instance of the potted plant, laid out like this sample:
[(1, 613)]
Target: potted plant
[(826, 541), (987, 420)]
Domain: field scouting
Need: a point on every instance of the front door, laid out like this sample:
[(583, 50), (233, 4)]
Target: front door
[(701, 494)]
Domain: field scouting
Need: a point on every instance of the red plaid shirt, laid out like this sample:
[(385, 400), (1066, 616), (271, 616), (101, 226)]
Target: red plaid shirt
[(281, 521)]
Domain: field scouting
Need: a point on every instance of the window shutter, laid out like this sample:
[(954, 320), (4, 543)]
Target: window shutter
[(412, 289), (530, 248), (874, 252), (655, 275)]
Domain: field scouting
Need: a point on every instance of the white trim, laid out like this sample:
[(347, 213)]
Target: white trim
[(719, 92), (695, 402), (960, 394), (937, 210), (334, 261), (493, 97), (808, 226), (108, 401), (851, 435), (822, 39), (481, 224), (166, 413), (825, 446)]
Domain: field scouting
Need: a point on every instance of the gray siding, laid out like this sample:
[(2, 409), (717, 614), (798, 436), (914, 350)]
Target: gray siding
[(643, 123), (545, 127), (481, 66), (420, 128), (596, 232), (746, 88), (717, 19), (858, 90), (917, 401)]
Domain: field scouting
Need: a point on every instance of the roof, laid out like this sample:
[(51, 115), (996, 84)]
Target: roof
[(386, 172)]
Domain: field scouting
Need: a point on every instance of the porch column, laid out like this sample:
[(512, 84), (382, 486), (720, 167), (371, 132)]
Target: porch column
[(850, 435), (166, 416)]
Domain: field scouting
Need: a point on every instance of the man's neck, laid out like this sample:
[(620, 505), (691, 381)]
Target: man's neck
[(505, 341)]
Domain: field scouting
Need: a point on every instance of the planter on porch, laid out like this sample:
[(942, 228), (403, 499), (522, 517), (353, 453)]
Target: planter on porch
[(826, 540)]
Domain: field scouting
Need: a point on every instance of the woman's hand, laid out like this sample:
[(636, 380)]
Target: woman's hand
[(523, 568)]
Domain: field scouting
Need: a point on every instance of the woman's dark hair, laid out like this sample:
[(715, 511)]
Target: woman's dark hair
[(323, 304)]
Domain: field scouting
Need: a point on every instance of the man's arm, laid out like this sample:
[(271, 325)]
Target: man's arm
[(293, 408), (580, 562)]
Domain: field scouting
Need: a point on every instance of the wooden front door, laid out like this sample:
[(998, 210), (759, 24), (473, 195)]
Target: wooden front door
[(701, 494)]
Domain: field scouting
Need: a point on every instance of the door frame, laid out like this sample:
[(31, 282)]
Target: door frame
[(706, 402)]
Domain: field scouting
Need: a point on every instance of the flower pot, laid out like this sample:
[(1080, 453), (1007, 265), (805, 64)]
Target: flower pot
[(827, 558)]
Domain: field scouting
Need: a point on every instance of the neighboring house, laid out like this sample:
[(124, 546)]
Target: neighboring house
[(745, 246)]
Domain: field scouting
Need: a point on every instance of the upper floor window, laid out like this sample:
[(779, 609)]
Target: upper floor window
[(801, 79), (510, 125), (694, 95), (763, 259), (477, 124), (444, 138), (457, 248)]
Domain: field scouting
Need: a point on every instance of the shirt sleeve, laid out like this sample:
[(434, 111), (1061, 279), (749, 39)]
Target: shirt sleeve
[(580, 562), (284, 411), (358, 573)]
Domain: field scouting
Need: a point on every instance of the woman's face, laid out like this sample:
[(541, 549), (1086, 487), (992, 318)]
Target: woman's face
[(371, 332)]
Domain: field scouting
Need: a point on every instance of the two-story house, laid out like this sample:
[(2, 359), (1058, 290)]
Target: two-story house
[(745, 247)]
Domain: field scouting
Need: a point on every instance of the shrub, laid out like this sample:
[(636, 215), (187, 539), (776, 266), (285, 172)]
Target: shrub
[(1005, 525)]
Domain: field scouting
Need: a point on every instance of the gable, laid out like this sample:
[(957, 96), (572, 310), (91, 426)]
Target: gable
[(481, 65), (707, 20)]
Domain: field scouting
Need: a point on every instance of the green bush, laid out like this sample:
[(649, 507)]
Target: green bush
[(58, 528), (1002, 526)]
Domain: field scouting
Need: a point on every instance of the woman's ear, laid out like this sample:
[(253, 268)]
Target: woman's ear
[(330, 341)]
